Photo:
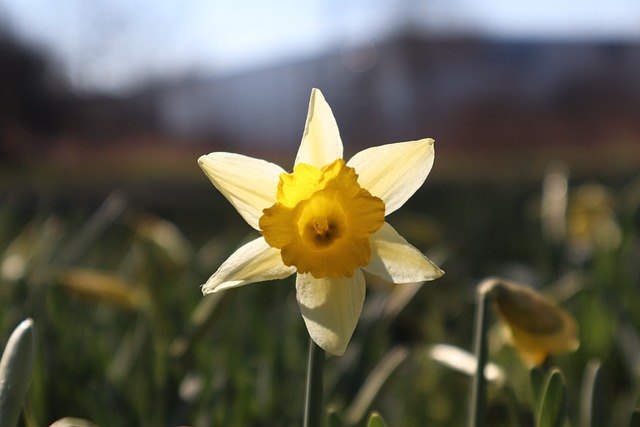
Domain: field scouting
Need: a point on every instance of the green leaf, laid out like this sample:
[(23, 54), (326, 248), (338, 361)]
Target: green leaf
[(537, 383), (553, 406), (375, 420), (635, 418), (15, 372), (595, 397)]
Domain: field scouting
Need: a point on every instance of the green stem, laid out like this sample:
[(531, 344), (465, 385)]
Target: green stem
[(313, 403), (478, 403)]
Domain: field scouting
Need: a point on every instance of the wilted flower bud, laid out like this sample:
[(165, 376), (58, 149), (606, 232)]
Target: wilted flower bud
[(536, 326), (100, 286)]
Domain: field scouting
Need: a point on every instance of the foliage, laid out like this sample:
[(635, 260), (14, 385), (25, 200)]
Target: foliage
[(125, 337)]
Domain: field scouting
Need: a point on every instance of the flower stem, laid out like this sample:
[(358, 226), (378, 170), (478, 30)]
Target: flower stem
[(478, 403), (313, 402)]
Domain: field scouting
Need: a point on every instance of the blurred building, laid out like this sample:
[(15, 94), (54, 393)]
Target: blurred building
[(472, 95), (465, 92)]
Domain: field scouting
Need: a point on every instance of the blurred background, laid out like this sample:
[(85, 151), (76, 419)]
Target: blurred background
[(108, 227), (502, 88)]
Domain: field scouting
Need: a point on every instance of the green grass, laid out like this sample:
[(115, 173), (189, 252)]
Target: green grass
[(158, 353)]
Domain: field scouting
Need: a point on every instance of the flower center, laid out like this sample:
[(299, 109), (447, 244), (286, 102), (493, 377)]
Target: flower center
[(321, 227), (322, 220)]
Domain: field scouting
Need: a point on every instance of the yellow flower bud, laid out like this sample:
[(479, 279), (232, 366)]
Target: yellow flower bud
[(536, 326)]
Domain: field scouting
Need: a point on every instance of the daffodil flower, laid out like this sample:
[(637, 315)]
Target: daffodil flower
[(535, 326), (323, 221)]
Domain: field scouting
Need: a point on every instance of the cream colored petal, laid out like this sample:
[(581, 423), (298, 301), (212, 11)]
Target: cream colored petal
[(394, 172), (254, 262), (331, 308), (321, 143), (249, 184), (395, 260)]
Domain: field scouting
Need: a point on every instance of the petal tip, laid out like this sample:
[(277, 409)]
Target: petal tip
[(207, 289), (435, 274), (336, 351), (331, 347), (430, 142), (316, 92), (203, 160)]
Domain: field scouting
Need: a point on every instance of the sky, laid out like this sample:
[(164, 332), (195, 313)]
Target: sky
[(112, 45)]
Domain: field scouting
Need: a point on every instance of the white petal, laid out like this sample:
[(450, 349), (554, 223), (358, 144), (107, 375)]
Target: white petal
[(394, 172), (395, 260), (321, 143), (254, 262), (249, 184), (331, 308)]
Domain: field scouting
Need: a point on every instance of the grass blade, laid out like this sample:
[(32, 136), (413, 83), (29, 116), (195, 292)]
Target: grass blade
[(553, 407)]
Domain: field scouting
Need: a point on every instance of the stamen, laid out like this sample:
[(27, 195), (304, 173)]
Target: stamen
[(320, 225)]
